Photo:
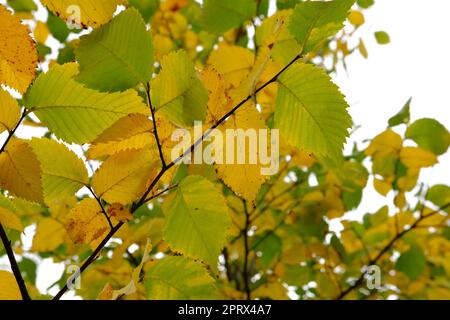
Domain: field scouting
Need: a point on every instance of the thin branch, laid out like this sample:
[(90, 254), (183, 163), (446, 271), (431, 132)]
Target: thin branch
[(155, 128), (226, 259), (161, 193), (246, 253), (132, 259), (13, 131), (388, 247), (101, 206), (14, 265), (91, 258), (155, 181)]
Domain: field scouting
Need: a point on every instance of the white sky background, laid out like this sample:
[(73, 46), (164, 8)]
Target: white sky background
[(416, 64)]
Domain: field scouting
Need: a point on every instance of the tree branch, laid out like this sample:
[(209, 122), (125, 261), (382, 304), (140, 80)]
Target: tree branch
[(13, 131), (101, 206), (246, 253), (4, 237), (155, 128), (388, 247), (167, 167), (14, 265)]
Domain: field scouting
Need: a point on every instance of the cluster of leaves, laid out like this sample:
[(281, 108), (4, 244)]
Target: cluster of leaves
[(141, 226)]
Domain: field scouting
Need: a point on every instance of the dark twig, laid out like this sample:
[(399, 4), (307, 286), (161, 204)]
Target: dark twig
[(246, 253), (14, 265), (13, 131), (101, 206), (155, 128)]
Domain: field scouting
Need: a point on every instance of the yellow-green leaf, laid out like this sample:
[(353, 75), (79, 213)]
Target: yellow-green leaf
[(197, 220), (178, 278), (63, 173), (73, 112), (20, 171), (125, 176), (178, 92), (9, 220), (9, 111)]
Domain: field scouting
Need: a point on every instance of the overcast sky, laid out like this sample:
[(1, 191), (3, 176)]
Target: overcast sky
[(416, 64)]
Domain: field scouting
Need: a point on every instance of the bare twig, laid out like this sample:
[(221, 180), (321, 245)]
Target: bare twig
[(246, 253), (155, 128), (14, 265), (101, 206), (13, 131)]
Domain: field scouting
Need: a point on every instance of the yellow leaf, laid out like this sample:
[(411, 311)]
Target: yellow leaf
[(417, 158), (400, 200), (125, 176), (244, 179), (41, 32), (9, 288), (18, 55), (232, 62), (382, 187), (87, 13), (356, 18), (86, 223), (49, 235), (9, 111), (363, 49), (119, 212), (107, 292), (384, 143), (219, 102), (20, 171), (10, 220), (131, 132), (408, 182)]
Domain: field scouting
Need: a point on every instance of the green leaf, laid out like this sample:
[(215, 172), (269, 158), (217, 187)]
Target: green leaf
[(28, 269), (197, 220), (412, 263), (430, 135), (269, 245), (178, 278), (147, 8), (311, 113), (365, 4), (58, 27), (403, 117), (117, 56), (73, 112), (220, 16), (22, 5), (63, 173), (439, 195), (314, 21), (382, 37), (178, 92)]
